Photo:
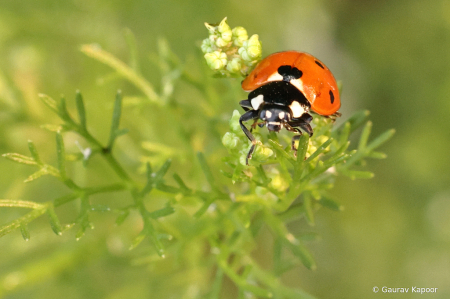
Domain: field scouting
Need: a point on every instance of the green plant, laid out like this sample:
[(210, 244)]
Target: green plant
[(229, 208)]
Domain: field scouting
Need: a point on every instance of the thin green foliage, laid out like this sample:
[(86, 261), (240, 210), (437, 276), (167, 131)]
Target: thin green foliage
[(124, 70), (115, 132), (81, 110)]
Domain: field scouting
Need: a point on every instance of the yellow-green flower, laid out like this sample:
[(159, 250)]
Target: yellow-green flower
[(251, 49), (216, 60), (208, 46), (230, 140), (234, 123), (239, 36), (235, 65)]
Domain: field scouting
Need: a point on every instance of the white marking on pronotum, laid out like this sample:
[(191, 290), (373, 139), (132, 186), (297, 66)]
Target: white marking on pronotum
[(297, 109), (268, 114), (257, 101), (281, 115)]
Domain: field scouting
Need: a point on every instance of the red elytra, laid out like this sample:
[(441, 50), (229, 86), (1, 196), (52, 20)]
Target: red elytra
[(317, 82)]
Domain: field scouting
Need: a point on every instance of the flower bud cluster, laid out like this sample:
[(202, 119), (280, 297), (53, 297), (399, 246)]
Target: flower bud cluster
[(230, 52)]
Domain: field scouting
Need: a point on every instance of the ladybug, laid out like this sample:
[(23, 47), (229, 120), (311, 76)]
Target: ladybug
[(284, 87)]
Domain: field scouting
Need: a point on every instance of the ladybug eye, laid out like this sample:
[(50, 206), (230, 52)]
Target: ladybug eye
[(331, 97), (289, 73), (319, 64)]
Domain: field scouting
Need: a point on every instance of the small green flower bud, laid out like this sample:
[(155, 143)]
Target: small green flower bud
[(222, 41), (234, 123), (262, 153), (216, 60), (234, 66), (225, 33), (278, 182), (311, 148), (239, 36), (243, 159), (212, 28), (251, 49), (208, 46), (230, 140)]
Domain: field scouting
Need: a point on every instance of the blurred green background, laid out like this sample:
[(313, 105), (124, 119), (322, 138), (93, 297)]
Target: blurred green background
[(392, 58)]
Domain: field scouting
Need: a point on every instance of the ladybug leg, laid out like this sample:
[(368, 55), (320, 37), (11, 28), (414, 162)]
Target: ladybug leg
[(251, 114), (304, 126), (246, 105), (306, 118), (295, 138), (333, 116), (303, 123), (256, 123), (307, 128)]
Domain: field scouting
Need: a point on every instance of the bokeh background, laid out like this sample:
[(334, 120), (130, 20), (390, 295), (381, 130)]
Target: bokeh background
[(392, 57)]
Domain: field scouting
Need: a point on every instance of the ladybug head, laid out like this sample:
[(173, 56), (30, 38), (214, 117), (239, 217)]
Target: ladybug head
[(275, 116)]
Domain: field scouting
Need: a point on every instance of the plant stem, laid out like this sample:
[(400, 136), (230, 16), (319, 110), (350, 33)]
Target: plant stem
[(107, 58)]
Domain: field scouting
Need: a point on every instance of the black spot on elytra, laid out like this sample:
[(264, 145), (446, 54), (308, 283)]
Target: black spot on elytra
[(319, 64), (289, 73), (331, 97)]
